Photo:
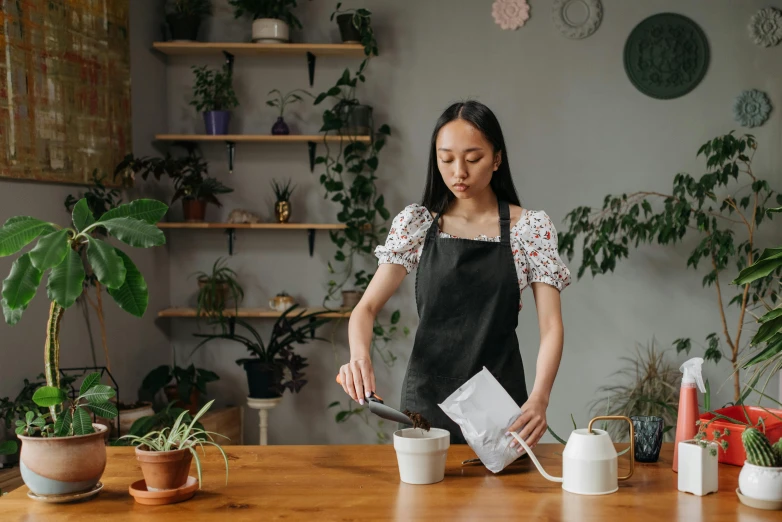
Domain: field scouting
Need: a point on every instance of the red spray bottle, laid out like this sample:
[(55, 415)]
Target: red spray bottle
[(686, 423)]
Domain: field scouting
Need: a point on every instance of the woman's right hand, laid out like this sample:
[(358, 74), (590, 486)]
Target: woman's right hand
[(358, 378)]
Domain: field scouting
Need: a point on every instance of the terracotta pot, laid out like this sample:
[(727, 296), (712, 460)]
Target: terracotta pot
[(172, 394), (282, 211), (219, 299), (194, 210), (63, 465), (350, 298), (164, 469)]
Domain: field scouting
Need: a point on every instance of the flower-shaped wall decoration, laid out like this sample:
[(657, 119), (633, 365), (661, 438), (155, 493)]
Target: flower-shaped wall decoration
[(765, 27), (510, 14), (592, 11), (751, 108)]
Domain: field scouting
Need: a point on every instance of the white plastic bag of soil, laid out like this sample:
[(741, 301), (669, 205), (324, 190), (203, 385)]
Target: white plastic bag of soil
[(484, 410)]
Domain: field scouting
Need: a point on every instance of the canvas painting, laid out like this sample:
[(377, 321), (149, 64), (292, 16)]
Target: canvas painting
[(64, 89)]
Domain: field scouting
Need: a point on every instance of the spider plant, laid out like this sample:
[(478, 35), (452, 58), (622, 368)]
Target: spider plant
[(182, 436), (216, 287), (282, 191)]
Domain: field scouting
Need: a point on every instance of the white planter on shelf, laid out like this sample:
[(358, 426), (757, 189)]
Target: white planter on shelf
[(760, 483), (270, 30), (698, 468)]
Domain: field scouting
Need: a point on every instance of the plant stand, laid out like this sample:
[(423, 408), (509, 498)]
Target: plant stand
[(263, 406)]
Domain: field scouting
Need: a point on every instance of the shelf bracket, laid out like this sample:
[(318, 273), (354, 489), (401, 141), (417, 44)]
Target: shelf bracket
[(311, 66), (312, 147), (231, 232), (231, 325), (311, 239), (312, 331), (231, 154), (229, 60)]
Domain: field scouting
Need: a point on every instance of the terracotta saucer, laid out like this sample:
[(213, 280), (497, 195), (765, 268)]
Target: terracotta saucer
[(159, 498), (70, 497), (757, 503)]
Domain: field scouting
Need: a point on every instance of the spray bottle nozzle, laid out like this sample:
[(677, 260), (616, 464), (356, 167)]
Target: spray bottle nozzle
[(692, 373)]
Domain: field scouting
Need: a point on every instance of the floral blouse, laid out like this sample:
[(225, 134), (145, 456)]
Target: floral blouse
[(533, 242)]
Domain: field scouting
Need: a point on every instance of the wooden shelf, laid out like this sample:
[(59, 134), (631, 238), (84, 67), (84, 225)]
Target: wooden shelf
[(254, 226), (258, 49), (260, 138), (255, 313)]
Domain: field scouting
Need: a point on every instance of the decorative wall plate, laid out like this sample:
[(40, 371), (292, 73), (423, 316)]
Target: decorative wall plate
[(510, 14), (666, 56), (751, 108), (765, 27), (577, 18)]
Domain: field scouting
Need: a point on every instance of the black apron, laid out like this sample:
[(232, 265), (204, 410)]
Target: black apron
[(467, 294)]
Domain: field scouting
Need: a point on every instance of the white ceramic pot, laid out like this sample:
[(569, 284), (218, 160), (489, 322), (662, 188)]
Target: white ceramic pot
[(698, 473), (421, 454), (760, 483), (128, 417), (270, 30)]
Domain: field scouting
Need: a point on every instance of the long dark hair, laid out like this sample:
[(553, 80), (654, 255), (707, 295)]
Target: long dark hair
[(437, 196)]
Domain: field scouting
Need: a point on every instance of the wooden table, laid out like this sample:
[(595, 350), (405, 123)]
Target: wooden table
[(362, 483)]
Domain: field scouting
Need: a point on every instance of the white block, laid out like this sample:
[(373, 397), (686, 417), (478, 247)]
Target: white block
[(698, 468)]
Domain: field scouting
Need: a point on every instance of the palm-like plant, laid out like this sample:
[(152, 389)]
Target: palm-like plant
[(59, 250)]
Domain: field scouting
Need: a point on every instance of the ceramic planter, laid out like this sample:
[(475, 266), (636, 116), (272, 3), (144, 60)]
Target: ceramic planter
[(280, 303), (735, 454), (698, 468), (350, 298), (282, 211), (164, 470), (357, 120), (421, 454), (183, 27), (347, 31), (261, 379), (219, 299), (216, 122), (194, 210), (270, 30), (63, 465), (761, 483), (129, 416)]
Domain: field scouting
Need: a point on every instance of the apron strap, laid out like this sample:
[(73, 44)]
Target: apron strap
[(504, 222)]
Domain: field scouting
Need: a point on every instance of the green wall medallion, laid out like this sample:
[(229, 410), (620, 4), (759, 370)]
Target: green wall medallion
[(666, 56)]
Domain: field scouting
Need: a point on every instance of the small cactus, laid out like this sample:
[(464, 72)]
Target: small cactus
[(759, 449), (778, 450)]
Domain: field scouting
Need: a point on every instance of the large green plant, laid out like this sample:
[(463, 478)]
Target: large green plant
[(279, 9), (59, 251), (362, 20), (213, 90), (723, 208), (186, 380)]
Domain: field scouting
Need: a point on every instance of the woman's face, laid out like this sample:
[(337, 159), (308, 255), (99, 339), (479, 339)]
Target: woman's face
[(465, 158)]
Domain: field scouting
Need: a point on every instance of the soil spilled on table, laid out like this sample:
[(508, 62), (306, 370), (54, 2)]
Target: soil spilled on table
[(418, 420)]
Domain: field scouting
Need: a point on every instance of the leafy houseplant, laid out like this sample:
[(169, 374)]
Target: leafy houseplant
[(273, 367), (189, 382), (282, 203), (184, 17), (355, 26), (272, 19), (180, 445), (280, 101), (216, 288), (730, 195), (214, 97)]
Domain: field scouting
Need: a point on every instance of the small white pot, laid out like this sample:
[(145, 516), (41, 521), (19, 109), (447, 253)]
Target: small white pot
[(270, 30), (760, 483), (698, 468), (421, 454)]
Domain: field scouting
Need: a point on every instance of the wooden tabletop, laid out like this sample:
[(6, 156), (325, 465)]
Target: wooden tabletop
[(362, 483)]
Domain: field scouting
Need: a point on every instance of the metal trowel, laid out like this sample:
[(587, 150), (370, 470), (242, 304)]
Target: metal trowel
[(376, 406)]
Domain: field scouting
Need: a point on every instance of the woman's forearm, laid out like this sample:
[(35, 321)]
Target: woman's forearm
[(549, 357), (362, 321)]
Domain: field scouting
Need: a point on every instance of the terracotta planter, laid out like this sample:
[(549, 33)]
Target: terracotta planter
[(164, 470), (350, 298), (63, 465), (282, 211), (194, 210), (172, 394), (219, 299)]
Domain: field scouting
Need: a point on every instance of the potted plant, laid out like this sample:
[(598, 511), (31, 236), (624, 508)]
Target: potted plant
[(184, 17), (272, 19), (351, 298), (63, 451), (280, 128), (165, 455), (355, 26), (59, 249), (761, 475), (282, 204), (216, 289), (188, 384), (214, 97), (273, 367)]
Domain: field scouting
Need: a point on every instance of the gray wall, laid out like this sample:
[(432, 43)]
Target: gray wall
[(134, 344)]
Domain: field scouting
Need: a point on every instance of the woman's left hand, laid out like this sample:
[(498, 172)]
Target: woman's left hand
[(531, 422)]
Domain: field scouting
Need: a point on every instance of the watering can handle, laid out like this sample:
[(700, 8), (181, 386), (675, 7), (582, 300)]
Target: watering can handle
[(632, 439), (534, 459)]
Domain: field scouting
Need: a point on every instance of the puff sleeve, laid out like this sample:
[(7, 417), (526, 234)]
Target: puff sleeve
[(405, 238), (538, 240)]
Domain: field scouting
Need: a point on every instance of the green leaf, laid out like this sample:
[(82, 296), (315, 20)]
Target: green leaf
[(65, 280), (768, 262), (89, 381), (134, 232), (20, 231), (82, 216), (46, 396), (133, 295), (21, 284), (773, 347), (335, 403), (39, 422), (82, 423), (11, 316), (108, 266), (148, 210), (395, 317), (62, 426), (8, 447), (767, 330), (29, 416), (98, 393), (50, 250), (104, 409)]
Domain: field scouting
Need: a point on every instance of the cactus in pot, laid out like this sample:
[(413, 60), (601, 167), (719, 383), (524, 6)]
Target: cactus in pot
[(761, 475), (759, 450)]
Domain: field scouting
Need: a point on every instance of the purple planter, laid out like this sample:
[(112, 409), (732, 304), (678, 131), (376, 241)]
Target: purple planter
[(280, 128), (217, 122)]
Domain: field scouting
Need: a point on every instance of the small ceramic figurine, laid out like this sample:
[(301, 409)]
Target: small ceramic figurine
[(281, 302), (238, 215)]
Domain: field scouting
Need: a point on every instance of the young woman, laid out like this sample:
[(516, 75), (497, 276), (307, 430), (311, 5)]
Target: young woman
[(471, 269)]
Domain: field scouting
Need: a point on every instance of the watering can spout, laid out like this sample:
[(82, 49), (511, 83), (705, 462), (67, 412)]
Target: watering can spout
[(534, 459)]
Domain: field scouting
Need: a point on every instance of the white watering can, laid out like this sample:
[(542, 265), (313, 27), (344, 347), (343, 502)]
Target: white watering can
[(589, 462)]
